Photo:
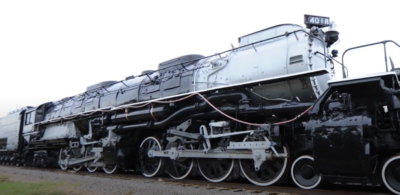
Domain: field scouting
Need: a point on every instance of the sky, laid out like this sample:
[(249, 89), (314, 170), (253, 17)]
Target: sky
[(55, 49)]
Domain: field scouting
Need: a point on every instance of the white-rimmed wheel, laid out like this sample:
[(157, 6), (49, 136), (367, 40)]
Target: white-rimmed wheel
[(270, 171), (77, 168), (110, 169), (61, 157), (304, 173), (150, 166), (89, 153), (181, 167), (391, 174), (215, 170)]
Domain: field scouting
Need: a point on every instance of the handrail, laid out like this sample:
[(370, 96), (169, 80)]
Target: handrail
[(367, 45)]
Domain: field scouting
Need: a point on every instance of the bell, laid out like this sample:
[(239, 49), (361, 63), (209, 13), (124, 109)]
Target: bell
[(331, 35)]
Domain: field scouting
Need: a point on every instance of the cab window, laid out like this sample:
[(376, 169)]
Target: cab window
[(29, 118)]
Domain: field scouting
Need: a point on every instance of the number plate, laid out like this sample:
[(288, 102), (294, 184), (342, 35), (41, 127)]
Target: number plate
[(318, 21)]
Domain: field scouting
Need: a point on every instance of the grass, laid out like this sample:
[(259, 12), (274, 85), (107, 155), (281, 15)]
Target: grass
[(32, 188)]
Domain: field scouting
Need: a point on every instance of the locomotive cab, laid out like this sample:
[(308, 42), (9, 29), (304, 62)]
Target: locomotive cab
[(344, 127)]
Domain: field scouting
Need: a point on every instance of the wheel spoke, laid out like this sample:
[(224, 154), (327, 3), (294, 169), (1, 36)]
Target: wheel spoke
[(219, 169)]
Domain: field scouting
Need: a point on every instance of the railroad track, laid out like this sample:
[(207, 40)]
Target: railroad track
[(237, 185)]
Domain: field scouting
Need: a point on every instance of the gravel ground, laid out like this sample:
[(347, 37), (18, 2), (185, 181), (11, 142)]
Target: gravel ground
[(115, 186)]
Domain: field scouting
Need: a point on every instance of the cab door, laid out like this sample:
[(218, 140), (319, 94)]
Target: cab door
[(29, 120)]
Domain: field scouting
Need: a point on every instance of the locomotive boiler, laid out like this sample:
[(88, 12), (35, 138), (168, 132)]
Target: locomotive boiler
[(267, 110)]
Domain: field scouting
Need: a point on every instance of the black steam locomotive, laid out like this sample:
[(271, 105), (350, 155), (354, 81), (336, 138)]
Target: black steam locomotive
[(268, 109)]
